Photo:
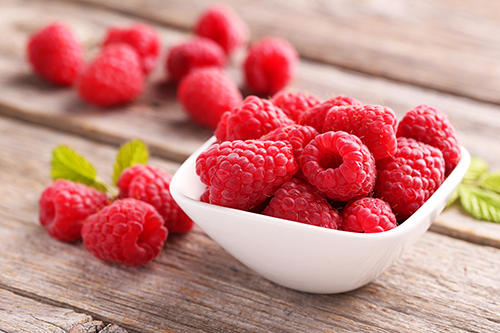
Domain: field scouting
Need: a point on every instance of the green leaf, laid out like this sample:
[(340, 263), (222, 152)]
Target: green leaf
[(454, 196), (481, 203), (68, 164), (490, 181), (132, 152), (477, 167)]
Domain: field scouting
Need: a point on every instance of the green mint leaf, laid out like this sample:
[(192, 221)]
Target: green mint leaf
[(481, 203), (68, 164), (454, 196), (490, 181), (132, 152), (477, 167)]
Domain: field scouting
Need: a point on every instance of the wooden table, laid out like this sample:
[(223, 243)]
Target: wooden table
[(399, 53)]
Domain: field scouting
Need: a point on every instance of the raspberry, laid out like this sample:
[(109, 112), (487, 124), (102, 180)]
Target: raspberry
[(339, 165), (270, 65), (252, 119), (408, 178), (297, 135), (298, 201), (224, 26), (142, 38), (375, 125), (315, 116), (114, 77), (429, 125), (368, 215), (64, 205), (152, 185), (242, 174), (128, 231), (206, 93), (195, 53), (294, 103), (55, 54)]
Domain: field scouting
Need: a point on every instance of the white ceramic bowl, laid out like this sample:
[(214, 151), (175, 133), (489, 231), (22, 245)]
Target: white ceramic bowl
[(300, 256)]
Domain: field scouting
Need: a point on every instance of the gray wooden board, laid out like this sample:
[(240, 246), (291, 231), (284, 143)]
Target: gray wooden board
[(158, 119), (441, 284), (446, 45)]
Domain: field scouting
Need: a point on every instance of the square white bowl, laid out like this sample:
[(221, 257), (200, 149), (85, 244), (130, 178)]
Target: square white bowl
[(300, 256)]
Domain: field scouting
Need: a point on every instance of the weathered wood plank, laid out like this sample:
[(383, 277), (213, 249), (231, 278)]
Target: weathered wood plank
[(447, 45), (441, 284), (20, 315), (158, 119)]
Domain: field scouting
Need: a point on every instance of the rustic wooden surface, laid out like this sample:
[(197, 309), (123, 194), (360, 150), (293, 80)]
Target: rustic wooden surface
[(381, 54), (440, 284), (446, 45)]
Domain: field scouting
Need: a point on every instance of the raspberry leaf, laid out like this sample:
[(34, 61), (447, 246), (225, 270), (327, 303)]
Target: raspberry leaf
[(490, 181), (477, 167), (131, 153), (68, 164), (481, 203)]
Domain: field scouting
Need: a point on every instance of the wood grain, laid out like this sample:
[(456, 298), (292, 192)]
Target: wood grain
[(20, 315), (441, 284), (158, 119), (446, 45)]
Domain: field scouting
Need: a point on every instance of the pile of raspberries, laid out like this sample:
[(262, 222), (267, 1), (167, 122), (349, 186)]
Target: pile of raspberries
[(130, 229), (336, 164), (118, 73)]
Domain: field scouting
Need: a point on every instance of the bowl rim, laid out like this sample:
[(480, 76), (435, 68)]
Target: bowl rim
[(446, 188)]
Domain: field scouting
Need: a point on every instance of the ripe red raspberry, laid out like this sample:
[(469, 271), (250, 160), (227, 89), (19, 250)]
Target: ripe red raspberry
[(315, 116), (152, 185), (206, 93), (55, 54), (252, 119), (128, 231), (242, 174), (270, 65), (298, 201), (64, 205), (114, 77), (429, 125), (195, 53), (297, 135), (143, 39), (368, 215), (293, 104), (339, 165), (408, 178), (375, 125), (224, 26)]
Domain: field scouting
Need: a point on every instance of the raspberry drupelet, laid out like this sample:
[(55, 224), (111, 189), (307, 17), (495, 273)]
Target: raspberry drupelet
[(368, 215), (339, 165), (152, 185), (252, 119), (128, 231), (408, 178), (430, 125), (64, 205), (296, 200), (243, 174)]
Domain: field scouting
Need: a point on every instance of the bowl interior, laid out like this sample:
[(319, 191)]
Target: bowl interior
[(300, 256)]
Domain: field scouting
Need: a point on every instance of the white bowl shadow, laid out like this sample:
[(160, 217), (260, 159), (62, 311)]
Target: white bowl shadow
[(304, 257)]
